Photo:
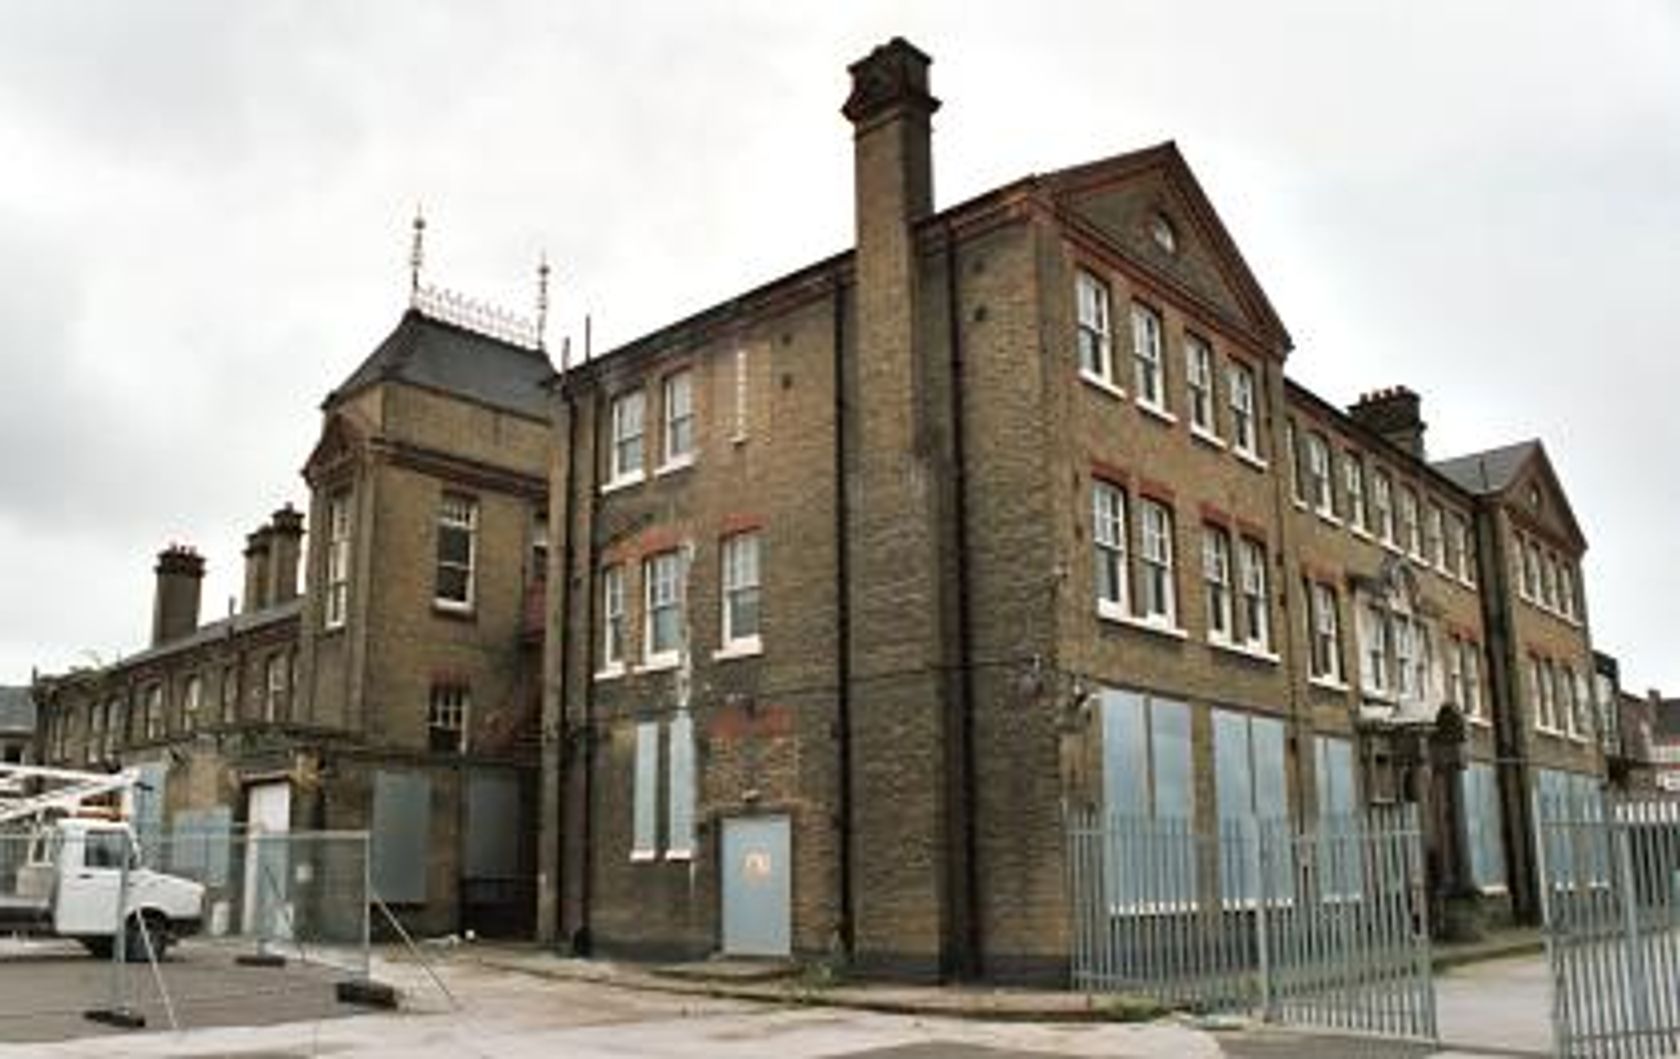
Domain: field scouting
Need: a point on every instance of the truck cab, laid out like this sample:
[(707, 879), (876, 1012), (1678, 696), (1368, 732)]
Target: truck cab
[(74, 878)]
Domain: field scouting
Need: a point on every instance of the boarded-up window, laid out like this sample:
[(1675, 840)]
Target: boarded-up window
[(644, 837), (681, 842), (402, 824), (493, 825)]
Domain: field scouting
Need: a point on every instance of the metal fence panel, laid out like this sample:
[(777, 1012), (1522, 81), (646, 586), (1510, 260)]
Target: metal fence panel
[(1610, 894), (1324, 928)]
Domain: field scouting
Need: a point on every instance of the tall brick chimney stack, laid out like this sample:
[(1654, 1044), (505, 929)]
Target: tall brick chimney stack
[(910, 903), (180, 577), (891, 111), (285, 544), (1394, 413), (257, 546)]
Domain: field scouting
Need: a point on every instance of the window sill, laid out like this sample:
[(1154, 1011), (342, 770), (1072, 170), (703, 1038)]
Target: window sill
[(681, 463), (750, 647), (1340, 687), (610, 672), (1207, 437), (455, 611), (1329, 518), (1300, 504), (1250, 458), (738, 439), (657, 663), (1156, 411), (1249, 651), (1158, 626), (1361, 532), (1101, 384), (1478, 720), (643, 856), (679, 855), (623, 482), (1391, 547)]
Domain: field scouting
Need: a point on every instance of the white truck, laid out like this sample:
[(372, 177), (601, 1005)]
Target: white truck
[(75, 872)]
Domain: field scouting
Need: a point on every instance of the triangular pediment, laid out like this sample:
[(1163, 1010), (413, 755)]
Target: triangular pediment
[(339, 444), (1537, 498), (1147, 207)]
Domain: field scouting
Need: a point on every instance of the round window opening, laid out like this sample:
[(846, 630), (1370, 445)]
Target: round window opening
[(1161, 230)]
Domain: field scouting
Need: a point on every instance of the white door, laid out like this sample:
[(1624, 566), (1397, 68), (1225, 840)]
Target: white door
[(90, 866), (268, 818)]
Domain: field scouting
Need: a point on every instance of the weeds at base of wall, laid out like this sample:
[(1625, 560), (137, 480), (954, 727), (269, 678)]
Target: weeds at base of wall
[(1124, 1007)]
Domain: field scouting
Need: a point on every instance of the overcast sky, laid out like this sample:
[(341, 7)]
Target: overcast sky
[(204, 213)]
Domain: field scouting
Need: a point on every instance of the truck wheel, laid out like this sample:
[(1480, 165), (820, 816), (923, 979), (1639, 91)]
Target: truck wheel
[(134, 940)]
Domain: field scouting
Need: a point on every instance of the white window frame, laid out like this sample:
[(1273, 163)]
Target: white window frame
[(457, 513), (1475, 703), (1095, 338), (1256, 602), (448, 707), (1108, 538), (678, 438), (1149, 363), (1157, 594), (615, 627), (1353, 489), (1325, 661), (741, 574), (1319, 482), (1199, 386), (1382, 505), (1216, 578), (662, 591), (1245, 434), (336, 606), (627, 446), (1411, 523), (1466, 548)]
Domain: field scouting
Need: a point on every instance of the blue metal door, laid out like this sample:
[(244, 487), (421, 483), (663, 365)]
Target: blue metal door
[(757, 870)]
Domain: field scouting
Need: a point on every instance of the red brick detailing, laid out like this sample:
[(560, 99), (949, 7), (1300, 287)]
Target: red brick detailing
[(732, 724), (740, 523), (659, 539), (1215, 514), (1110, 473), (1156, 490)]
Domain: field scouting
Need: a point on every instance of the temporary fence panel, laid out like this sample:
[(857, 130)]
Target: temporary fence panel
[(1344, 929), (1325, 928), (1610, 894)]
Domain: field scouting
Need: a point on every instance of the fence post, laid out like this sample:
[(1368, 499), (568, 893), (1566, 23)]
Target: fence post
[(1634, 955), (1251, 834)]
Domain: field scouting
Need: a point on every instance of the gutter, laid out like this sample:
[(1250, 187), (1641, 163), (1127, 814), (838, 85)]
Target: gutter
[(843, 623)]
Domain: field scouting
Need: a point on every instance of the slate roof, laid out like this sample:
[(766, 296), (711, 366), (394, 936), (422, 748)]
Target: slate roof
[(436, 355), (217, 630), (1488, 472), (17, 710)]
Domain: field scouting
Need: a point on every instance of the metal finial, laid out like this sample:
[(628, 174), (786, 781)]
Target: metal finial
[(416, 256), (542, 301)]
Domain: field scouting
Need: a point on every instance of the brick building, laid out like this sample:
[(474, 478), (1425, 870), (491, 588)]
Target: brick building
[(862, 577), (398, 691)]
